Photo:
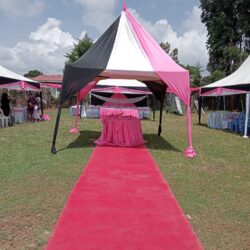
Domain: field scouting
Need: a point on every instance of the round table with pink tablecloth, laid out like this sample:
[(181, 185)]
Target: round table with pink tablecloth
[(121, 127)]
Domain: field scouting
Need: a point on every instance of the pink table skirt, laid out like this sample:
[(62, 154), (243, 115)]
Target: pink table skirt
[(121, 131), (104, 112)]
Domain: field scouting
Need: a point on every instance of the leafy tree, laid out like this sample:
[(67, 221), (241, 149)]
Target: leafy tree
[(33, 73), (195, 74), (165, 46), (228, 26), (79, 49), (174, 53)]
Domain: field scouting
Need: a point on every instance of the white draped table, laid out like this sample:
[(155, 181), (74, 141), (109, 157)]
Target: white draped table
[(220, 119), (19, 114)]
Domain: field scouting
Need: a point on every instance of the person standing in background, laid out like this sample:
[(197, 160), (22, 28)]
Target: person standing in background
[(5, 104), (30, 107)]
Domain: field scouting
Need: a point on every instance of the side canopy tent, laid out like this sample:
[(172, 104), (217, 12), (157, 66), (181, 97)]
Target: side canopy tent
[(21, 86), (236, 83), (13, 81), (127, 51), (9, 77)]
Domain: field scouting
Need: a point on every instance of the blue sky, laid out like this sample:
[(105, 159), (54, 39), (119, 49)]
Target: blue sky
[(38, 33)]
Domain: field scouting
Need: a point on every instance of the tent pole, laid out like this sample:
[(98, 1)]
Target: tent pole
[(75, 129), (154, 101), (41, 97), (218, 104), (224, 102), (189, 151), (160, 121), (247, 115), (199, 109), (53, 147), (81, 103)]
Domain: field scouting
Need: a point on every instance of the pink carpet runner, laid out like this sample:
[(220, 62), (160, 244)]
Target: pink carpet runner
[(122, 202)]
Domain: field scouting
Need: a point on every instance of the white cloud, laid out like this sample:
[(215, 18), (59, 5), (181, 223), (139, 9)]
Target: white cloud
[(191, 43), (98, 14), (46, 47), (27, 8), (44, 50)]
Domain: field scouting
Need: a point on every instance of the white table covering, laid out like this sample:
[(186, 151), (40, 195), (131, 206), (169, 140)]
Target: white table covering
[(72, 110), (19, 114), (220, 119)]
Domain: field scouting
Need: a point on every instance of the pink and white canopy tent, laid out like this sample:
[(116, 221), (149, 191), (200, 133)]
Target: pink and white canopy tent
[(127, 50)]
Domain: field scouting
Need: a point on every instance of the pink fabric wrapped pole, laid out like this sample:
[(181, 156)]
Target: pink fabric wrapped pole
[(83, 92), (75, 129), (189, 152)]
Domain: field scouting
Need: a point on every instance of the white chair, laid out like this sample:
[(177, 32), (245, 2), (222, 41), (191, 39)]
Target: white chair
[(4, 119), (19, 117)]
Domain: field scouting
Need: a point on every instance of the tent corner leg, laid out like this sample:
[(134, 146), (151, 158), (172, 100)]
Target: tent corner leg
[(53, 150), (159, 130)]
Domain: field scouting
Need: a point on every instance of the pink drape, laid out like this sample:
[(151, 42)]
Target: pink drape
[(118, 105), (75, 129), (170, 72), (84, 91), (117, 89), (51, 85), (223, 91), (81, 94)]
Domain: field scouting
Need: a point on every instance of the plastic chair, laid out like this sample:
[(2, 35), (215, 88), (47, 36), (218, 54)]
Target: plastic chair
[(19, 117), (4, 119)]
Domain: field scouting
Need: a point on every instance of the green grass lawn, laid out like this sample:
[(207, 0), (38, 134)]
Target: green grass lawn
[(213, 189)]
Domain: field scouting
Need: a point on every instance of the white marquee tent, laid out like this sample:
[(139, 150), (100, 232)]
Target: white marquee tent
[(238, 82), (8, 76)]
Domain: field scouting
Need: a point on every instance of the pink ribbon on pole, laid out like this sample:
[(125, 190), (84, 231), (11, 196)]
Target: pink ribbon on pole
[(189, 151), (75, 129)]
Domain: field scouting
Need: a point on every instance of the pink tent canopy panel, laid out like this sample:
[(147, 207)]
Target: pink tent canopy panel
[(223, 92), (21, 86)]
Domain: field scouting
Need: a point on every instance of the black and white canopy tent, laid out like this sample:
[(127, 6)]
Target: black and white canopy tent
[(236, 83), (127, 51)]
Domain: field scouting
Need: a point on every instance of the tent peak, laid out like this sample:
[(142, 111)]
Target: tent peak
[(124, 5)]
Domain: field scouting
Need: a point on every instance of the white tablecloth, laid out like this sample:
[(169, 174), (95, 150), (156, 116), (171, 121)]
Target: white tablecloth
[(72, 110), (19, 114), (94, 112), (220, 119)]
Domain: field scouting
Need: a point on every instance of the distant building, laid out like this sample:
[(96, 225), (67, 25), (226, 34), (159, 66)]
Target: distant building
[(49, 81)]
